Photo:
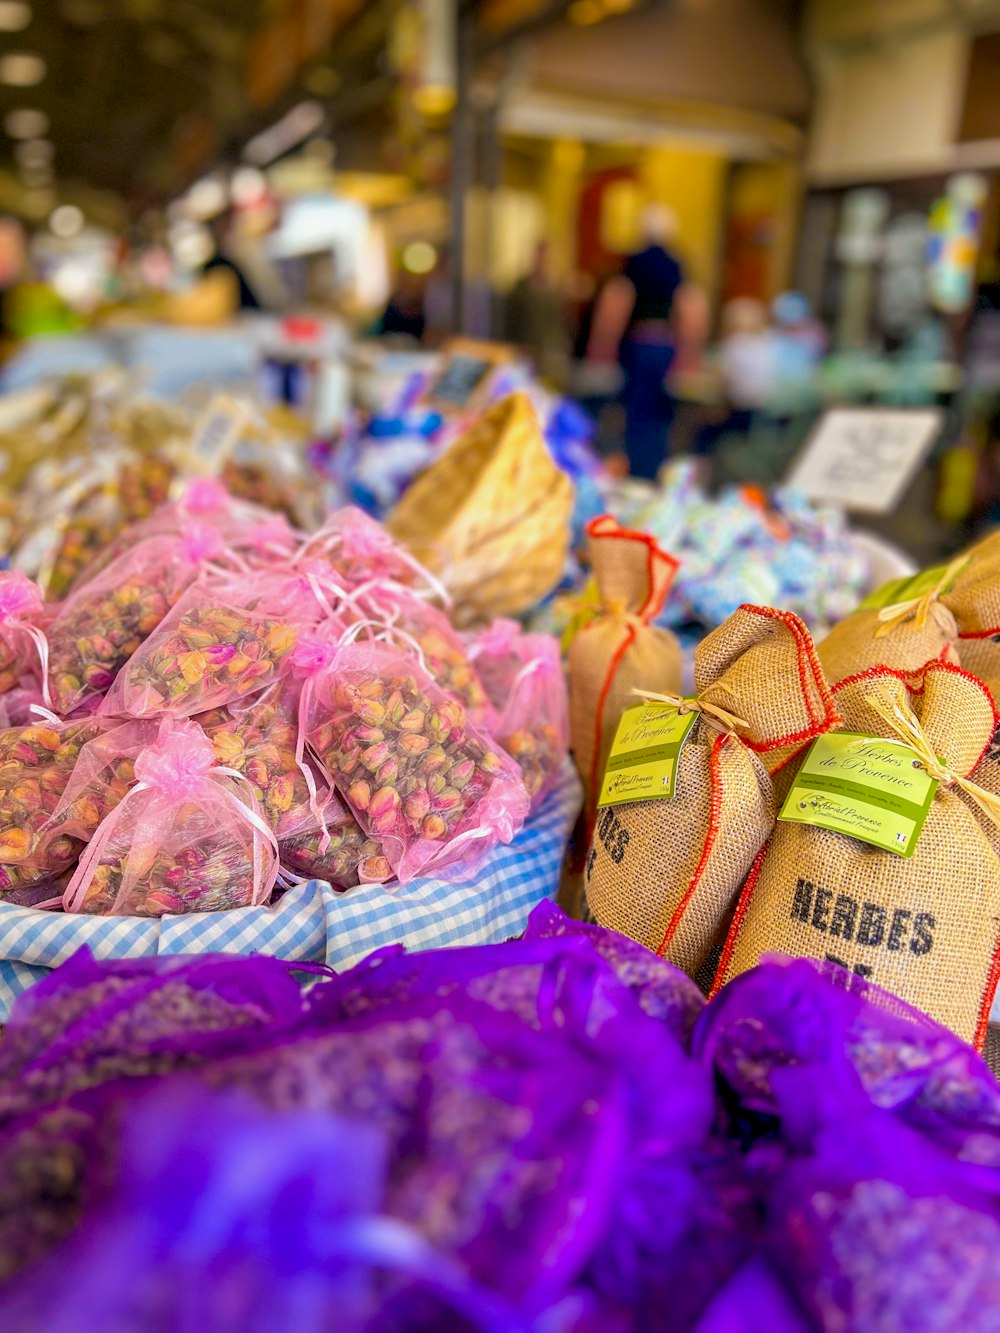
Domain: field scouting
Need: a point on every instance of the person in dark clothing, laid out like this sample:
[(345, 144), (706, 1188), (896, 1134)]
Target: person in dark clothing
[(221, 227), (405, 314), (649, 345)]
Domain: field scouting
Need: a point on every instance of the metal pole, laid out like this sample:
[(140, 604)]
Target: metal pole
[(462, 150), (491, 162)]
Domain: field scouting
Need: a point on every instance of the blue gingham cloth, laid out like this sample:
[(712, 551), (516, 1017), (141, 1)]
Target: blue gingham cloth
[(312, 923)]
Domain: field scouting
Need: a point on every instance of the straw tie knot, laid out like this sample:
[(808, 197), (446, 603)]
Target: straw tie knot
[(709, 711), (919, 609), (907, 729)]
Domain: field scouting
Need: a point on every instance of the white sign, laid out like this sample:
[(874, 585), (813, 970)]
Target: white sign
[(863, 458)]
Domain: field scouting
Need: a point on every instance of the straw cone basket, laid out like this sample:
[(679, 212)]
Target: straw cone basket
[(491, 515)]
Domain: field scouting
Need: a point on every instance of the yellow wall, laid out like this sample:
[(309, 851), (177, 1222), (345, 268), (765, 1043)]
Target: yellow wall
[(692, 183)]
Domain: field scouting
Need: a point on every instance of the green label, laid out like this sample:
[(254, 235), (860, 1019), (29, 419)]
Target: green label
[(905, 589), (870, 788), (642, 765)]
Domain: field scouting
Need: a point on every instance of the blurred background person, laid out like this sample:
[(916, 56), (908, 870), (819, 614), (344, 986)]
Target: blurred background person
[(536, 319), (800, 341), (222, 260), (747, 369), (649, 344), (404, 314)]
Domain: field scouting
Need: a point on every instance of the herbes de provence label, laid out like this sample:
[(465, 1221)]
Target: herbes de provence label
[(870, 788), (642, 765)]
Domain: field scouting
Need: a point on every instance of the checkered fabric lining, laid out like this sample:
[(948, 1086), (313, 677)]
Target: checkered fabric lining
[(311, 922)]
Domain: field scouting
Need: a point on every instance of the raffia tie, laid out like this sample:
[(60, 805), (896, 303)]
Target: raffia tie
[(909, 731), (711, 712), (618, 607), (919, 608)]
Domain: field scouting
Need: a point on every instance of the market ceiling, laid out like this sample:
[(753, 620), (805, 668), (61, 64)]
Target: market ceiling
[(140, 95)]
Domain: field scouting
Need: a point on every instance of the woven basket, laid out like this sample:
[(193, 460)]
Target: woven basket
[(491, 515)]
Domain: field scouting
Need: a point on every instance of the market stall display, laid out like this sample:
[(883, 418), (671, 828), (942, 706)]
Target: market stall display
[(744, 544), (211, 636)]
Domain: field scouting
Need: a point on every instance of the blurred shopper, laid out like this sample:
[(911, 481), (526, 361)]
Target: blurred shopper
[(438, 322), (748, 372), (536, 319), (222, 259), (650, 345), (404, 315), (800, 340)]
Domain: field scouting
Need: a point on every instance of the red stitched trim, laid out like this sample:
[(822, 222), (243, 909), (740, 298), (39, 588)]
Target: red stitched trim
[(806, 656), (602, 699), (916, 683), (606, 525), (737, 921), (979, 1040), (773, 772), (713, 832), (980, 634)]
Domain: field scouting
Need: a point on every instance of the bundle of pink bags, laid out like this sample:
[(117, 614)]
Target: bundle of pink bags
[(222, 706)]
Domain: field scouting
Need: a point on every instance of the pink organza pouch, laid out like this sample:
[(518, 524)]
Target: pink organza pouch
[(189, 836), (23, 645), (205, 502), (36, 764), (360, 550), (223, 641), (99, 627), (102, 776), (335, 848), (419, 627), (416, 773), (523, 676), (259, 737), (20, 707)]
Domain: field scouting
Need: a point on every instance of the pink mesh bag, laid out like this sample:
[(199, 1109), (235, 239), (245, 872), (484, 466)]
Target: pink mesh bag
[(428, 631), (36, 762), (259, 737), (222, 642), (523, 676), (204, 501), (360, 550), (102, 776), (417, 774), (188, 837), (335, 848), (23, 645), (100, 627)]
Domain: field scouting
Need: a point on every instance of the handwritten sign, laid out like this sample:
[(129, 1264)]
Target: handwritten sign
[(863, 458)]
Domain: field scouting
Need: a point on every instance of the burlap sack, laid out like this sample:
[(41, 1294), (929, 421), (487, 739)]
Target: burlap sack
[(618, 650), (955, 620), (667, 872), (865, 639), (924, 928), (975, 601)]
